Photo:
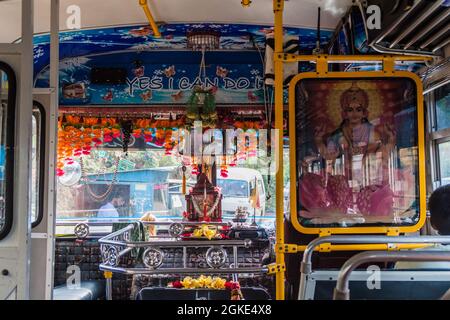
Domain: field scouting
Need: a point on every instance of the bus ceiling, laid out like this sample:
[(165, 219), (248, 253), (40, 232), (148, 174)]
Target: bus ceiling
[(97, 14)]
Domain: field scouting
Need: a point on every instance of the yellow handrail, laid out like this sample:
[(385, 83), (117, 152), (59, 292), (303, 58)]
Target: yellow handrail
[(278, 6), (148, 13)]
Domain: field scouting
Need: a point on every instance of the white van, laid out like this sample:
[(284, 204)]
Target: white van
[(237, 188)]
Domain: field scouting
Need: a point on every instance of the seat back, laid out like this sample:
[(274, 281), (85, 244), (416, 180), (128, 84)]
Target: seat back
[(88, 290), (393, 285), (249, 293)]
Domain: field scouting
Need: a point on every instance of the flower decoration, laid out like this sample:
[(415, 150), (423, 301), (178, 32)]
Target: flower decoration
[(177, 284), (205, 231), (223, 171), (246, 125), (205, 282), (78, 135)]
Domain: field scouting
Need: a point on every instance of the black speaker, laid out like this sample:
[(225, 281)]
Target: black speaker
[(258, 233), (108, 76)]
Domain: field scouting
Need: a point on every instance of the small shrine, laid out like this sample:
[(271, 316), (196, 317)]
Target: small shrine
[(203, 203)]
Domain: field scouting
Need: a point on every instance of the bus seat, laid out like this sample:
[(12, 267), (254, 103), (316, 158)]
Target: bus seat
[(394, 285), (249, 293), (89, 290), (446, 296)]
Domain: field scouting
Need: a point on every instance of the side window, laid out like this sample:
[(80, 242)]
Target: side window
[(443, 149), (439, 102), (7, 118), (37, 163), (442, 105)]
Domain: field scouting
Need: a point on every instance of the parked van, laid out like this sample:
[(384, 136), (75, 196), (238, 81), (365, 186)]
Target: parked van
[(237, 189)]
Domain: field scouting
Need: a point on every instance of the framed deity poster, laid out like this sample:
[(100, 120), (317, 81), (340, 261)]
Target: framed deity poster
[(357, 153)]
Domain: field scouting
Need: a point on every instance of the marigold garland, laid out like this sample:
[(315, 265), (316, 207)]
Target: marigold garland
[(204, 282), (78, 135)]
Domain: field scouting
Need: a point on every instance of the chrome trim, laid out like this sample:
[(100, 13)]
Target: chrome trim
[(108, 289), (439, 70), (174, 244), (306, 265), (164, 223), (433, 38), (429, 26), (395, 24), (416, 22), (342, 292), (184, 270), (440, 45), (435, 86), (379, 48)]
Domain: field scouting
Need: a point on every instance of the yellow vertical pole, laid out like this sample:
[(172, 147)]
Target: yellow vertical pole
[(278, 6), (151, 20)]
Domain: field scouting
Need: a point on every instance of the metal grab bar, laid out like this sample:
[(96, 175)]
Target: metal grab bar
[(170, 243), (306, 265), (342, 292), (133, 271), (131, 220), (173, 244)]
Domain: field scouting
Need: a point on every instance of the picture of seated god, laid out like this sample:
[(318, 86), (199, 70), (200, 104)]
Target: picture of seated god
[(355, 135), (355, 178)]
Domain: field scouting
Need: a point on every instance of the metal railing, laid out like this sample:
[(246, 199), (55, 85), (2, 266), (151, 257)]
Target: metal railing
[(118, 244), (82, 227), (342, 291), (306, 265)]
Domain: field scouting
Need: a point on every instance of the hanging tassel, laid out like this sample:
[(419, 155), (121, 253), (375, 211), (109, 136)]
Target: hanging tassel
[(183, 184), (204, 203)]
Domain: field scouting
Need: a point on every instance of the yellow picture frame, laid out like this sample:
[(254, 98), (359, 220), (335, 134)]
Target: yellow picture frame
[(389, 230)]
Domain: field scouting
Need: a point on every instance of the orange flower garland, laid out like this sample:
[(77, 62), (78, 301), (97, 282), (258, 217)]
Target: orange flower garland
[(76, 138), (78, 135)]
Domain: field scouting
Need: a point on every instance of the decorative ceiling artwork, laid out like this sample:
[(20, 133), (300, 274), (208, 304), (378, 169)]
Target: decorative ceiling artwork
[(233, 37), (161, 70)]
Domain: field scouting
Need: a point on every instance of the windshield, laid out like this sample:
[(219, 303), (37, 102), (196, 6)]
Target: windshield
[(233, 188)]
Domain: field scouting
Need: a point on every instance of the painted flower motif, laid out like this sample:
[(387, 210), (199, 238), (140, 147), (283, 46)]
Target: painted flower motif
[(177, 284)]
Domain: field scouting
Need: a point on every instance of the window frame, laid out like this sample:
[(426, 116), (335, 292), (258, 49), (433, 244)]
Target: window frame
[(9, 149), (41, 161), (436, 137)]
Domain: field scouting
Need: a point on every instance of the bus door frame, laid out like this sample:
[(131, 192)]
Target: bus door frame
[(15, 247), (43, 235)]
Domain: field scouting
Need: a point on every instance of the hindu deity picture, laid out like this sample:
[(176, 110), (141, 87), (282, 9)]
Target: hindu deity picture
[(356, 146)]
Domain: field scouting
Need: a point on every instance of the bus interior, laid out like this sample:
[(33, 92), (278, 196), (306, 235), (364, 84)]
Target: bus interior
[(217, 150)]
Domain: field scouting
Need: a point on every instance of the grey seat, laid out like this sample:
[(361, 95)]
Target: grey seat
[(394, 285), (89, 290), (156, 293)]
